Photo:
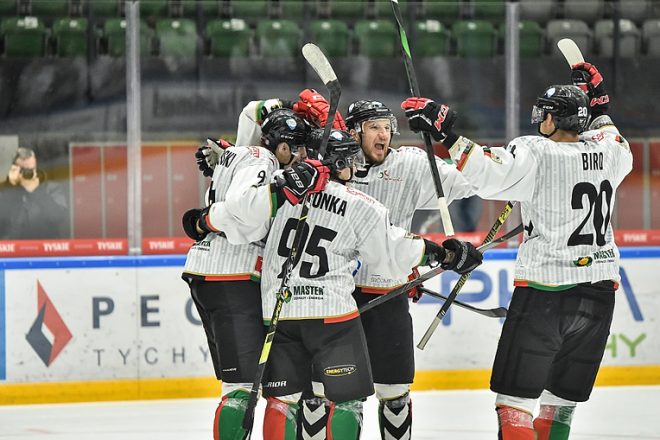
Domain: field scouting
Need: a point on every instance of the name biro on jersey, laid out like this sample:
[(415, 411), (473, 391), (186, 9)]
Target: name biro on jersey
[(330, 203), (592, 161)]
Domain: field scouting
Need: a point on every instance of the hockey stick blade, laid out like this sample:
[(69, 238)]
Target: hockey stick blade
[(571, 51), (463, 279), (499, 312), (319, 62), (315, 57), (447, 224), (432, 273)]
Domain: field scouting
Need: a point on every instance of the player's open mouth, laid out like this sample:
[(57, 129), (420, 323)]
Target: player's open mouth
[(380, 147)]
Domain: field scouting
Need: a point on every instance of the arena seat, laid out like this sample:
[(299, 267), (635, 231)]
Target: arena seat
[(114, 30), (376, 38), (444, 10), (538, 10), (651, 37), (49, 8), (229, 38), (70, 37), (279, 38), (431, 38), (154, 8), (23, 36), (209, 8), (177, 37), (249, 9), (585, 10), (492, 10), (475, 38), (332, 36), (629, 38), (577, 30), (350, 9)]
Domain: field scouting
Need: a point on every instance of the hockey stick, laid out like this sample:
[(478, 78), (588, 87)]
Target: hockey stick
[(499, 312), (320, 64), (414, 89), (432, 273), (462, 280)]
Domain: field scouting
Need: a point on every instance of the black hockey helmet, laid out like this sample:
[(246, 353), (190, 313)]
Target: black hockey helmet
[(361, 111), (568, 105), (342, 150), (284, 125)]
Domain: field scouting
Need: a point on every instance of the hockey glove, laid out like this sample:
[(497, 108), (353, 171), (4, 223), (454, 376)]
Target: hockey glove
[(589, 79), (189, 222), (308, 177), (462, 256), (207, 156), (195, 223), (314, 107), (429, 117)]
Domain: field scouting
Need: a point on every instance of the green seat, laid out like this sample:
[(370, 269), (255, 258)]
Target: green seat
[(229, 38), (177, 37), (530, 39), (384, 8), (279, 38), (114, 31), (49, 8), (294, 9), (8, 7), (209, 8), (70, 37), (347, 9), (153, 8), (249, 9), (24, 37), (332, 36), (475, 38), (493, 10), (104, 8), (443, 10), (431, 39), (376, 38)]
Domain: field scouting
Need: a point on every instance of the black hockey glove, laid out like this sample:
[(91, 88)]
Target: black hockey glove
[(589, 79), (208, 155), (462, 256), (308, 177), (430, 117), (195, 223)]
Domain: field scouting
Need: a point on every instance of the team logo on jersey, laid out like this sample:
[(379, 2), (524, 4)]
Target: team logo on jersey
[(385, 175), (286, 295), (340, 370), (494, 157), (583, 261)]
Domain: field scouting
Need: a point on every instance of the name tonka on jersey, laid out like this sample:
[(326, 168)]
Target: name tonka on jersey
[(330, 203)]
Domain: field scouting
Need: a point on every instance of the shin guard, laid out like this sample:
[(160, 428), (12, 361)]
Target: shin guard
[(514, 424), (345, 420), (280, 420), (395, 418), (314, 418), (228, 420), (553, 422)]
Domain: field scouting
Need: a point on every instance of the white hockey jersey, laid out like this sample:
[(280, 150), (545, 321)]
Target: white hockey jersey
[(342, 224), (214, 258), (403, 183), (567, 193)]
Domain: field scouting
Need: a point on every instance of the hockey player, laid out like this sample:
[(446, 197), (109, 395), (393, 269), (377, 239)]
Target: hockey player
[(223, 277), (567, 268), (318, 326), (399, 179)]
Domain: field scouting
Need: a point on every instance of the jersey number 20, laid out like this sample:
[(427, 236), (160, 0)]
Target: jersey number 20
[(601, 221), (313, 248)]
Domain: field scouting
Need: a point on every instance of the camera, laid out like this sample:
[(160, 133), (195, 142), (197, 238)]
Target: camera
[(27, 173)]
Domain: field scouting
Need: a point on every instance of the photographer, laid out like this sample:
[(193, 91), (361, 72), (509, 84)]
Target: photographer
[(32, 208)]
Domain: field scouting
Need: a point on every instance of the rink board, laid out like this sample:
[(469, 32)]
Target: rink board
[(114, 328)]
